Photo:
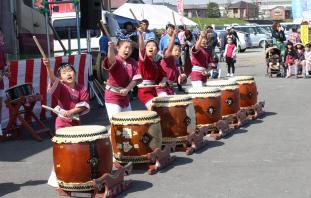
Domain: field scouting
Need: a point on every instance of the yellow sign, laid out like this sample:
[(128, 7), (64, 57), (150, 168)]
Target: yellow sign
[(304, 29)]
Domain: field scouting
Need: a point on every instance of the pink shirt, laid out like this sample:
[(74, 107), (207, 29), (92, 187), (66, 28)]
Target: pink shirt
[(120, 75), (68, 98), (201, 58), (230, 50)]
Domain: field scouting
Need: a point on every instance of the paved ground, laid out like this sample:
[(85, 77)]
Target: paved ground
[(269, 158)]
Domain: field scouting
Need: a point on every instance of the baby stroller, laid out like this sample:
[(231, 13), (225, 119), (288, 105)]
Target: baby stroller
[(274, 62)]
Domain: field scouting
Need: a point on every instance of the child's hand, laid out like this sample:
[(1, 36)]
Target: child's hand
[(139, 30), (69, 113), (204, 73), (182, 79), (111, 44), (124, 92), (46, 62), (203, 33), (162, 84), (175, 33)]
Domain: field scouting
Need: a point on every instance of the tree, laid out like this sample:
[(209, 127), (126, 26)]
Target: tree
[(213, 10)]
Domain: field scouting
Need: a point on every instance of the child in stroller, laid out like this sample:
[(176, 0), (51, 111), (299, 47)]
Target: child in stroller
[(274, 62), (215, 71)]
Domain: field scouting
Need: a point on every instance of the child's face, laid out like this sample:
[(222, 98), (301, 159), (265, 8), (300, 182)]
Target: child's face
[(125, 49), (151, 49), (229, 41), (307, 49), (289, 46), (176, 52), (67, 75)]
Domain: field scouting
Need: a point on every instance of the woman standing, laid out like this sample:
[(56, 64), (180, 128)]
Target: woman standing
[(278, 37)]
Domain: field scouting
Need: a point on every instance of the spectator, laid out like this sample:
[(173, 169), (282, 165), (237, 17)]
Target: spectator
[(147, 34), (294, 36), (210, 29), (278, 37), (165, 39)]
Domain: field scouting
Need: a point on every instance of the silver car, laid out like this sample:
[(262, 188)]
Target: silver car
[(244, 40), (259, 36)]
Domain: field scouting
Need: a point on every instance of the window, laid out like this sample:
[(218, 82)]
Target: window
[(235, 10)]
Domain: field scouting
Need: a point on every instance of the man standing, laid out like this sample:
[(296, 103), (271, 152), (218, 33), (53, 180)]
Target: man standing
[(163, 44), (147, 34)]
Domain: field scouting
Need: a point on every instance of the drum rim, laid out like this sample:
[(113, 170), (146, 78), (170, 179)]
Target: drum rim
[(10, 88), (135, 119), (229, 83), (243, 78), (184, 98)]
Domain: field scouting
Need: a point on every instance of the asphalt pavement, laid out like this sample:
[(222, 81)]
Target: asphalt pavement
[(268, 158)]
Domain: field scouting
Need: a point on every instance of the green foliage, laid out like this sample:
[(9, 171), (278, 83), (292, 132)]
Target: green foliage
[(218, 21), (213, 10)]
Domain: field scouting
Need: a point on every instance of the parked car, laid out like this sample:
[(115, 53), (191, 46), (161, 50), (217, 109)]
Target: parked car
[(259, 37), (244, 39)]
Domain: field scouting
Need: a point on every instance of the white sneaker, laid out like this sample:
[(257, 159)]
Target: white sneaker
[(231, 74), (53, 180), (228, 74)]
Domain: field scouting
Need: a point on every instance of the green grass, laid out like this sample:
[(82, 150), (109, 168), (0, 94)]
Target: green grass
[(217, 21)]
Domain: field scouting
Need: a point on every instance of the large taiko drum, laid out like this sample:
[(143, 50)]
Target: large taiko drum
[(81, 153), (18, 91), (134, 134), (248, 90), (207, 104), (177, 117), (230, 95)]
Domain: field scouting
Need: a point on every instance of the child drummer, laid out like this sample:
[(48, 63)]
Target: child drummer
[(201, 59), (71, 96), (154, 80), (123, 75), (169, 65)]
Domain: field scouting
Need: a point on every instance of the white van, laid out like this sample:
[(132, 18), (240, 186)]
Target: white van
[(65, 25)]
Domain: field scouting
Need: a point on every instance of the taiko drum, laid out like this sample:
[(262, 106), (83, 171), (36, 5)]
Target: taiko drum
[(177, 117), (230, 95), (207, 104), (248, 90), (81, 153), (134, 134)]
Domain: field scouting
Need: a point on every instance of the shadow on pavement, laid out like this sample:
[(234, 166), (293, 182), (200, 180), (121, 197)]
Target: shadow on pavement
[(7, 188), (136, 186), (210, 144), (14, 151), (234, 132), (179, 161)]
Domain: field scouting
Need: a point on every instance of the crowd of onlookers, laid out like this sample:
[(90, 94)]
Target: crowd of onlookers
[(290, 55)]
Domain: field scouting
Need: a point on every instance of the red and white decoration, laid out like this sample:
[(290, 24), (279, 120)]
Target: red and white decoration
[(33, 71), (180, 8)]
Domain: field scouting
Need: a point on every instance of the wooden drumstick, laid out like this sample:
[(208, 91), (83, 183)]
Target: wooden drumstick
[(74, 117), (133, 14), (174, 19), (102, 24), (39, 47), (199, 21)]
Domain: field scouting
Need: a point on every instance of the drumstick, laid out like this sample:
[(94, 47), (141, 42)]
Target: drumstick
[(133, 14), (198, 19), (58, 112), (174, 18), (105, 29), (39, 47)]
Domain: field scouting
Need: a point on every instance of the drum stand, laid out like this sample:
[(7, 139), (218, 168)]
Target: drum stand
[(108, 185), (24, 106), (216, 130), (255, 111), (157, 160)]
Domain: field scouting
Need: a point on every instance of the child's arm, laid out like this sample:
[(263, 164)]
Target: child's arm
[(75, 111), (170, 47), (81, 107), (124, 92), (111, 55), (141, 43), (47, 64), (198, 43)]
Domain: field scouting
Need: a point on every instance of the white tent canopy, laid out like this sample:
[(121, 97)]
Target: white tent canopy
[(157, 15)]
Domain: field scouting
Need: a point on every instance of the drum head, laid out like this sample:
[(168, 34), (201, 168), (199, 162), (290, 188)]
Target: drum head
[(243, 79), (174, 100), (76, 134), (203, 92), (135, 117), (223, 84)]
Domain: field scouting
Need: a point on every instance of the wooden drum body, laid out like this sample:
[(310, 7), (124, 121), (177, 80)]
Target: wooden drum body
[(248, 90), (207, 104), (81, 153), (18, 91), (177, 117), (230, 95), (134, 134)]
